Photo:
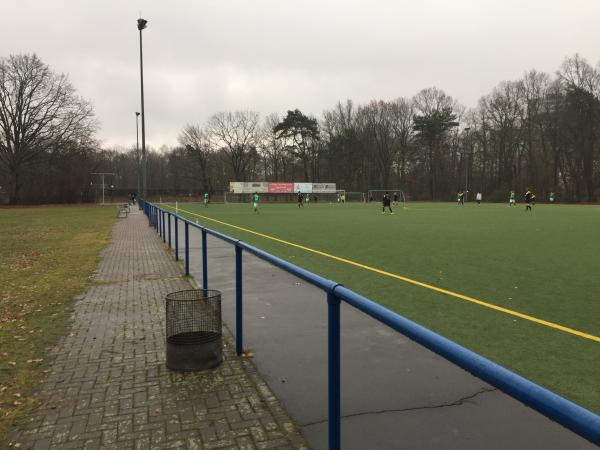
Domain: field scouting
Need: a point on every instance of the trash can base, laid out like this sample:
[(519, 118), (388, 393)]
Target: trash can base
[(189, 352)]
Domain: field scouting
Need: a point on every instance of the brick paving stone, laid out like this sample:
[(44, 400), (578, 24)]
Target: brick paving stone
[(108, 387)]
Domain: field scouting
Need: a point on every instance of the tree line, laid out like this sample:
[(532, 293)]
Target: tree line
[(541, 131)]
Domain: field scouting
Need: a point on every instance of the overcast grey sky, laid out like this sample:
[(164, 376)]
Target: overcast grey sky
[(202, 57)]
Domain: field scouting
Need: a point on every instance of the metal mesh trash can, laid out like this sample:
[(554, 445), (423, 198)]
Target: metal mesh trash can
[(194, 338)]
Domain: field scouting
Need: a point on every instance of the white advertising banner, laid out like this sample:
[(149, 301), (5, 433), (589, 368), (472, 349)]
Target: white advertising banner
[(323, 188), (304, 188), (256, 186), (236, 187)]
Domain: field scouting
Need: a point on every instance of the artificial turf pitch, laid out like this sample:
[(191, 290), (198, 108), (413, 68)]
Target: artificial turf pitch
[(543, 264)]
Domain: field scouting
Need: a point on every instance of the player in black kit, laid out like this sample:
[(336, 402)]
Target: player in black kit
[(529, 200), (387, 202)]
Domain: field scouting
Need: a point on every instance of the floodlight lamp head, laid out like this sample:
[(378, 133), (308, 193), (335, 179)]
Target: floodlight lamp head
[(141, 23)]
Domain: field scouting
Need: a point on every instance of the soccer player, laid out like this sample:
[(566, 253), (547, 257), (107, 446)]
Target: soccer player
[(512, 201), (395, 198), (255, 199), (307, 199), (387, 202), (478, 198), (551, 197), (460, 198), (529, 200), (343, 197), (300, 200), (206, 199)]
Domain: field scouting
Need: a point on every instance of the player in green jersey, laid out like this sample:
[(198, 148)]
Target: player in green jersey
[(551, 197), (206, 199), (255, 199), (511, 201)]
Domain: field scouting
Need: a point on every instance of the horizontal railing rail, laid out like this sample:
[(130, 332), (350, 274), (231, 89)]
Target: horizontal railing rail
[(570, 415)]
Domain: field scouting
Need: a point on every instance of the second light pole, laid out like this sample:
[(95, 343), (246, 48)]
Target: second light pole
[(137, 152), (141, 24), (467, 159)]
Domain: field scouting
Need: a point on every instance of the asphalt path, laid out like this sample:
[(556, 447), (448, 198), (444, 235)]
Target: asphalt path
[(395, 393)]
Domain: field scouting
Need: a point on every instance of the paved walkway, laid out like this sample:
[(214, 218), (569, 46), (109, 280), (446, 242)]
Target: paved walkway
[(108, 387)]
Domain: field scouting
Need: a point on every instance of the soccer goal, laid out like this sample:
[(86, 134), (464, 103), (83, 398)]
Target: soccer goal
[(355, 197), (376, 195)]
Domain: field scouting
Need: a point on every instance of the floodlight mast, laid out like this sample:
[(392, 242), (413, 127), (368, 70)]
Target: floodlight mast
[(141, 24), (137, 150)]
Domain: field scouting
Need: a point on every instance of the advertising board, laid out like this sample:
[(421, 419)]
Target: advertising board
[(304, 188), (323, 188), (281, 188)]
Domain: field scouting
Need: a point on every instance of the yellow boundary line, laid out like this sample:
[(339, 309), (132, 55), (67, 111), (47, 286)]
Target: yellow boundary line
[(405, 279)]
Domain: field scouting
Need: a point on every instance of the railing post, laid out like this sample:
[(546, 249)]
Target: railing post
[(176, 239), (169, 228), (334, 371), (187, 248), (162, 221), (239, 317), (204, 261)]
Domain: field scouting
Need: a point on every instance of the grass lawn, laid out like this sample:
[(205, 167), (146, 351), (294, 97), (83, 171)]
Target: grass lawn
[(47, 255), (543, 264)]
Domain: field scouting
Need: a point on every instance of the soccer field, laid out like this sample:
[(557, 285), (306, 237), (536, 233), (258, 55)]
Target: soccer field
[(543, 265)]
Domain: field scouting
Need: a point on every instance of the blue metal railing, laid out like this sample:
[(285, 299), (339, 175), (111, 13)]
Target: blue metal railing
[(570, 415)]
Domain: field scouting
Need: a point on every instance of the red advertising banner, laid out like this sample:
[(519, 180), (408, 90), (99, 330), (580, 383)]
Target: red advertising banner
[(281, 188)]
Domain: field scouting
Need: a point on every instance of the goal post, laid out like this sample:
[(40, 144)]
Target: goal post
[(376, 195)]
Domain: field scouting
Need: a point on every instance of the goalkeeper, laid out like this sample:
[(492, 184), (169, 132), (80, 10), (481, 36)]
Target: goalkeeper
[(387, 202)]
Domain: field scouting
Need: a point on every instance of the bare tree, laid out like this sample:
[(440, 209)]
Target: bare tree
[(236, 134), (402, 122), (40, 114), (197, 145), (581, 84), (379, 132)]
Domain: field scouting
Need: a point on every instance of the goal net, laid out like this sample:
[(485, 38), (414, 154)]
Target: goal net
[(355, 197), (397, 196)]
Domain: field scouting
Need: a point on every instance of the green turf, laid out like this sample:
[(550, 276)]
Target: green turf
[(47, 255), (543, 264)]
